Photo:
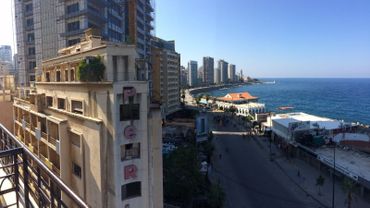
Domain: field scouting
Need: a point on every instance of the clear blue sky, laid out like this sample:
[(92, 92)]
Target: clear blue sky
[(272, 38)]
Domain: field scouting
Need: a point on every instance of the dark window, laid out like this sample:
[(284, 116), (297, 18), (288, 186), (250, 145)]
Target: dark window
[(72, 72), (75, 139), (73, 41), (61, 103), (77, 107), (30, 37), (66, 75), (32, 65), (49, 101), (129, 112), (29, 7), (58, 77), (29, 22), (131, 190), (130, 151), (31, 51), (72, 8), (32, 78), (76, 170), (47, 76), (73, 26)]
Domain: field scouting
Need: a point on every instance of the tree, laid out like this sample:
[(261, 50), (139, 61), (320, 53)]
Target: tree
[(216, 196), (91, 69), (182, 179), (349, 187), (197, 100), (320, 182)]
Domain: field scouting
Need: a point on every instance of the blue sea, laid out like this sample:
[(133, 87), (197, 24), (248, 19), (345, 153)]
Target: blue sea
[(337, 98)]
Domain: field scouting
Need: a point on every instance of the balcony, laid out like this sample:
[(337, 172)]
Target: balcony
[(29, 182)]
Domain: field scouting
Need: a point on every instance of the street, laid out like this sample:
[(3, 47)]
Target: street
[(248, 177)]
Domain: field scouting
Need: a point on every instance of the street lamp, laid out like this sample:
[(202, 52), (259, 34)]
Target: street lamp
[(270, 137)]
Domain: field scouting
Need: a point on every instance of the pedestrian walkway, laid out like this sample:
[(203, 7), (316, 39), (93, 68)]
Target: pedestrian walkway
[(304, 175)]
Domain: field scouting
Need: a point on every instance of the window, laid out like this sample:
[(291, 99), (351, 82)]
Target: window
[(66, 75), (49, 101), (131, 190), (72, 71), (72, 8), (31, 51), (30, 37), (76, 170), (32, 78), (31, 65), (73, 26), (57, 78), (75, 139), (73, 41), (77, 107), (29, 22), (29, 7), (47, 76), (130, 151), (61, 103), (129, 112)]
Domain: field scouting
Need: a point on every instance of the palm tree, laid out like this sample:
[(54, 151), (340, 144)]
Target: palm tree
[(349, 187), (320, 182)]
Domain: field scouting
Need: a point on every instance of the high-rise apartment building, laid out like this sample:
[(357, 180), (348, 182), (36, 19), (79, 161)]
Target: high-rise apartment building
[(5, 53), (165, 75), (192, 73), (223, 67), (200, 75), (208, 70), (217, 75), (138, 27), (45, 26), (91, 122), (183, 76), (231, 73)]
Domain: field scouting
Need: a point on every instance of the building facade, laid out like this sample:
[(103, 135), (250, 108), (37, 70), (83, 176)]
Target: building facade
[(208, 66), (165, 74), (231, 73), (43, 27), (223, 67), (94, 125), (217, 76), (193, 73), (5, 53), (183, 76)]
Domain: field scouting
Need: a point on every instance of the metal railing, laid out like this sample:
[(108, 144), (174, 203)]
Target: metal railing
[(32, 182)]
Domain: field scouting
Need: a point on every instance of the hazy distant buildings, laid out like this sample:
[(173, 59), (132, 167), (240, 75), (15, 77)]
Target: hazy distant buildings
[(5, 53), (223, 66), (200, 75), (217, 76), (183, 76), (165, 75), (193, 73), (231, 73), (208, 70)]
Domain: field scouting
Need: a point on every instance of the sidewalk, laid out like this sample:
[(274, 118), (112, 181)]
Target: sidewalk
[(306, 179)]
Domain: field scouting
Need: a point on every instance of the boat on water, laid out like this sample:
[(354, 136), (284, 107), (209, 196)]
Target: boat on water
[(285, 108)]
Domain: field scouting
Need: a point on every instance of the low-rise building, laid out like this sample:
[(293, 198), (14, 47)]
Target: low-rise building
[(244, 103), (90, 121)]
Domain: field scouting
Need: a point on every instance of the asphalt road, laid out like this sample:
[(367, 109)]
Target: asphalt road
[(249, 178)]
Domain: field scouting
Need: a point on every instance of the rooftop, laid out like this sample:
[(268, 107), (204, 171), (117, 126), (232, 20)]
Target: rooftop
[(241, 96), (321, 122)]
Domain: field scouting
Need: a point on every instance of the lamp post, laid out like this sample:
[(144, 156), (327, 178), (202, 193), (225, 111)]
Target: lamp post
[(270, 137), (333, 192)]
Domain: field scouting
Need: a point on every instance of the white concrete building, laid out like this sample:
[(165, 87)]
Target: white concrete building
[(231, 73)]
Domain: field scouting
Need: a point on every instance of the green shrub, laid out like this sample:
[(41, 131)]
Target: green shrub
[(91, 69)]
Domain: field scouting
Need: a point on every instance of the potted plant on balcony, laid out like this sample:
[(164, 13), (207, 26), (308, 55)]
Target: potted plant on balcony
[(91, 69)]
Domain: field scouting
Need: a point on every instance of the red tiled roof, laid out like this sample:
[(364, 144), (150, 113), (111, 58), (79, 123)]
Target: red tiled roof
[(238, 96)]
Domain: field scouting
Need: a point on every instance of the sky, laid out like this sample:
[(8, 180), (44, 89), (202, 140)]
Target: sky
[(272, 38), (264, 38)]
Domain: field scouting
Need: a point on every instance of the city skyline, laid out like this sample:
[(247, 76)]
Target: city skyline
[(272, 38), (264, 38)]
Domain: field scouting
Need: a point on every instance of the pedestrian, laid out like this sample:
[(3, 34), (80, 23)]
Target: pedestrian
[(220, 156), (298, 173)]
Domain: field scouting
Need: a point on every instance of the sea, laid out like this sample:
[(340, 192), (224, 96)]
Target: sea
[(337, 98)]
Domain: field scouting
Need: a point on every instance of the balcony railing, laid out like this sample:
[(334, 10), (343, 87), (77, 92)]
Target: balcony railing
[(32, 182)]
